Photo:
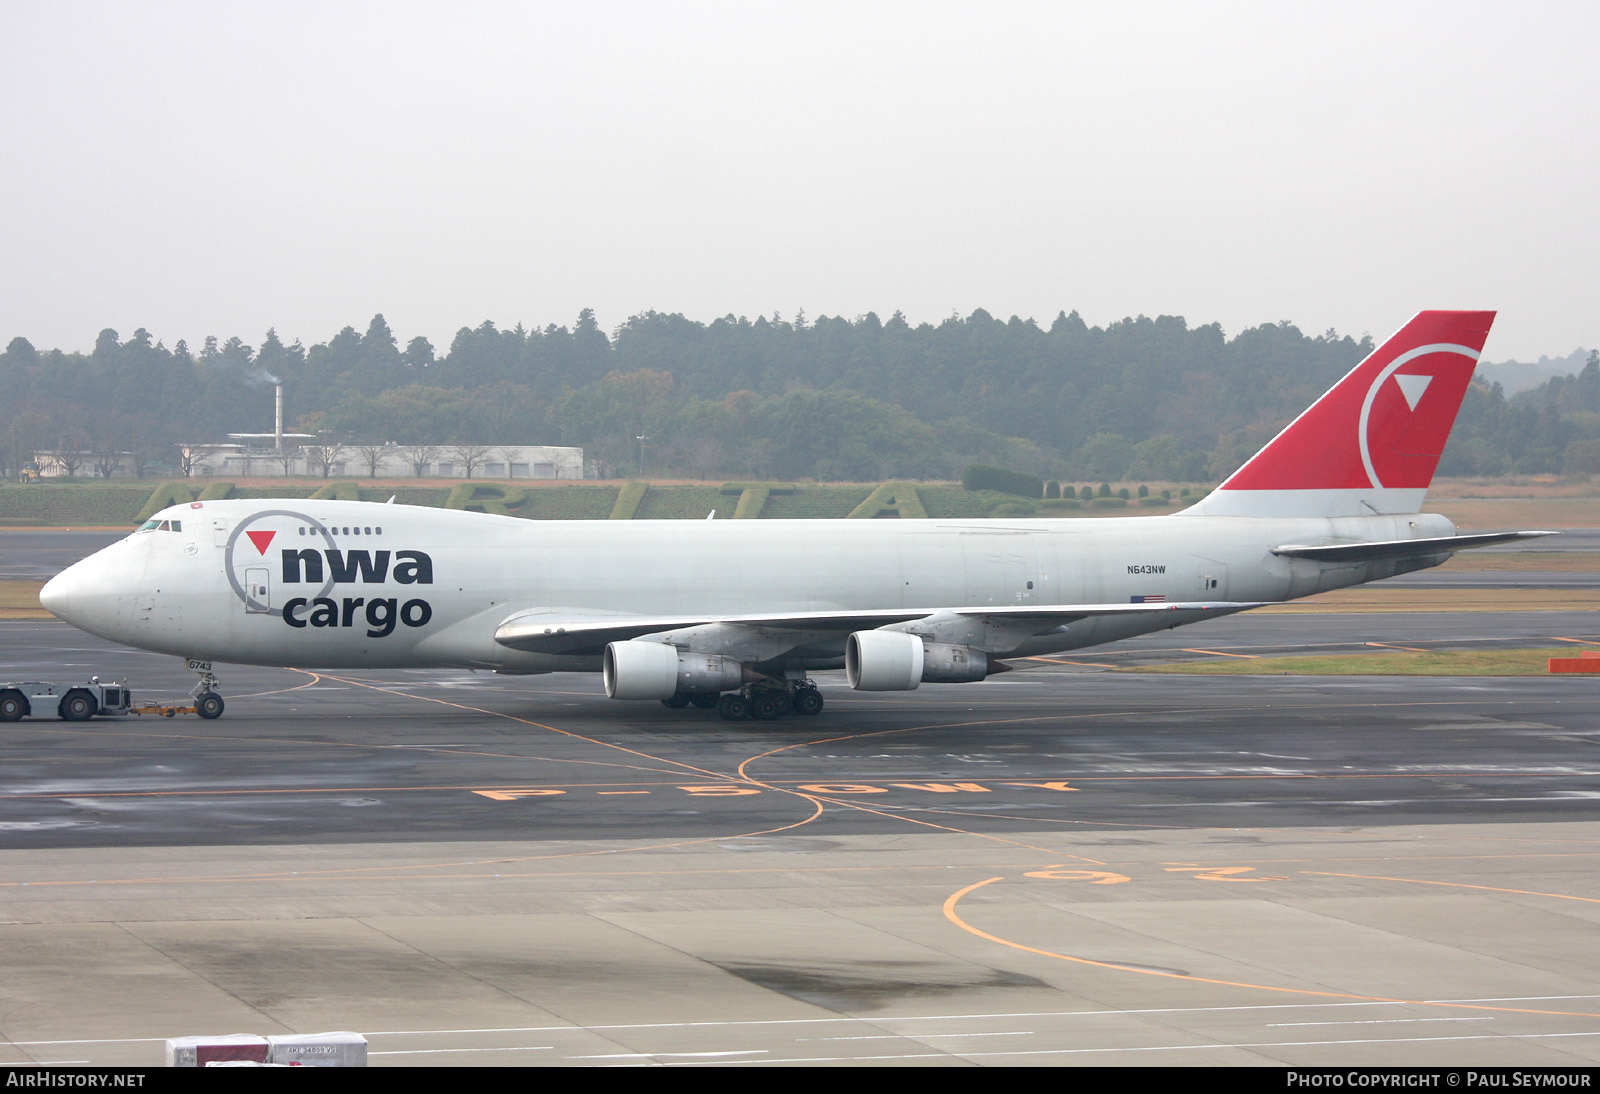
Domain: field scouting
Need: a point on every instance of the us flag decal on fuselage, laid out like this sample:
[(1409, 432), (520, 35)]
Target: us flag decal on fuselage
[(1156, 599)]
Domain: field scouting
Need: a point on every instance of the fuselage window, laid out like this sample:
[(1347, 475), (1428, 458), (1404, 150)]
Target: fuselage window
[(380, 531), (347, 531), (368, 531)]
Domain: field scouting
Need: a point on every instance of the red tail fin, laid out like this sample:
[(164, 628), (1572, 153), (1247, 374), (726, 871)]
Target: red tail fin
[(1370, 445)]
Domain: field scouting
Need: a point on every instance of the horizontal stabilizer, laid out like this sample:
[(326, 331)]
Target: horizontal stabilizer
[(1399, 548), (554, 632)]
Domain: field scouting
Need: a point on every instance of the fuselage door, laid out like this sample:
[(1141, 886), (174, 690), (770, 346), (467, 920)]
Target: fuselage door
[(258, 591)]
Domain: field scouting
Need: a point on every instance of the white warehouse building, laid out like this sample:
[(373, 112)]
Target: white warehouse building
[(389, 461), (244, 457)]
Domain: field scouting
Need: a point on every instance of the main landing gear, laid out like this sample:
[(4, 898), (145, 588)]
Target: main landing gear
[(762, 701)]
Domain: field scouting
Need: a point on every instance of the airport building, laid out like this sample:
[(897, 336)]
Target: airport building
[(244, 456), (319, 459), (309, 455)]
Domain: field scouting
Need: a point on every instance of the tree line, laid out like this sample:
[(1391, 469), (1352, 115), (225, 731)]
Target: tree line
[(832, 399)]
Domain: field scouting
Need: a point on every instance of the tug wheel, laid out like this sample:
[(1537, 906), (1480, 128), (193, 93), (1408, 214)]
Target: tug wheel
[(12, 706), (77, 705)]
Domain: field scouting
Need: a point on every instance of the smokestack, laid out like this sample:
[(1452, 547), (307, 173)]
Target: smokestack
[(278, 428)]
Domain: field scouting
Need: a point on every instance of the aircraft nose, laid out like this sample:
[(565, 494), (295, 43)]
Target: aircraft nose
[(79, 595), (56, 596)]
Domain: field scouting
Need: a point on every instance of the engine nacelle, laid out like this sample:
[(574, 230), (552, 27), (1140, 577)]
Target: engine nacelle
[(896, 661), (640, 670), (655, 670), (946, 664), (883, 661)]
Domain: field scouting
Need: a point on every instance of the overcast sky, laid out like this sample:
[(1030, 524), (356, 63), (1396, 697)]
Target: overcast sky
[(221, 168)]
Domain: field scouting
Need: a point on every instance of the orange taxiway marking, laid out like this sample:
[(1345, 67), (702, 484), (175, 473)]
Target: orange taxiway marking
[(951, 914)]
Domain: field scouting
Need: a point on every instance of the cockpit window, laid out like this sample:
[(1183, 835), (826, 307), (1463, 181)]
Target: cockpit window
[(148, 526), (153, 525)]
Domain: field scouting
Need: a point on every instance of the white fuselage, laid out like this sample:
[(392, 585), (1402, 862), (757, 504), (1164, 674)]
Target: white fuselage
[(330, 584)]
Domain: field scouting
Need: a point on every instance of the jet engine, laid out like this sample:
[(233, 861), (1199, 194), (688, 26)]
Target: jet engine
[(896, 661), (655, 670), (883, 661)]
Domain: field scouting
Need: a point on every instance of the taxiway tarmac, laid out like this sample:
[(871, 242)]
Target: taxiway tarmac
[(1060, 865)]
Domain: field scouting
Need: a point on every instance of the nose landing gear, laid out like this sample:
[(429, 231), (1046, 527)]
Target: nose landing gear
[(207, 701)]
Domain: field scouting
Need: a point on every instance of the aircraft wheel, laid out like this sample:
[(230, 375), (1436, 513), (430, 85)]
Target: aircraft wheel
[(766, 706), (77, 705), (704, 700), (209, 705), (13, 705), (733, 706), (808, 701), (677, 701)]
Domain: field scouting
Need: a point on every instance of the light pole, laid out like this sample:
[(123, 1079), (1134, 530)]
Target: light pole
[(641, 441)]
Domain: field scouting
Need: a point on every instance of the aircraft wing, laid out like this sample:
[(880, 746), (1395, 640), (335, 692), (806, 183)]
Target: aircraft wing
[(556, 632), (1398, 548)]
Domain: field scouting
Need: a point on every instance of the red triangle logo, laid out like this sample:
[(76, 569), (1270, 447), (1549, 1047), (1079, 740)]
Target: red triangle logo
[(262, 540)]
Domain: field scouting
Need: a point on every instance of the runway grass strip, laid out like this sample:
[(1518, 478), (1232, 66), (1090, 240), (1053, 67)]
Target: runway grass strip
[(1370, 598), (1378, 663), (20, 600), (1520, 562)]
